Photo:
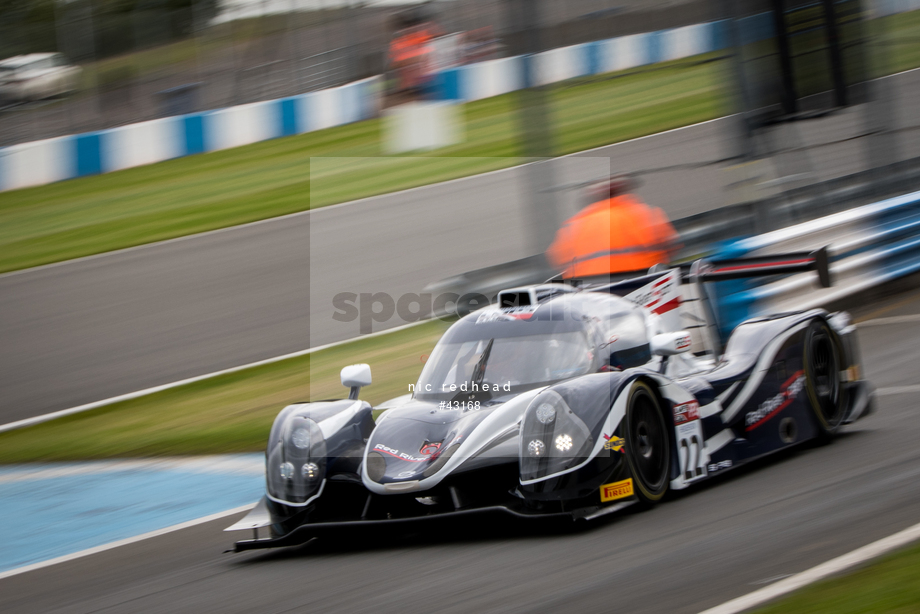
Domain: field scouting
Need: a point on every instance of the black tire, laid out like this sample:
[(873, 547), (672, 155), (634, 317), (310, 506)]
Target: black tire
[(648, 446), (822, 362)]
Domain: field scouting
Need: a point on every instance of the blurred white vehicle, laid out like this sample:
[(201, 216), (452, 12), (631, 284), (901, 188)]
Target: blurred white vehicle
[(36, 76)]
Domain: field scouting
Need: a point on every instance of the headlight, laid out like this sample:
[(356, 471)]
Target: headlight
[(296, 458), (546, 413), (301, 438), (564, 443), (549, 419), (310, 471)]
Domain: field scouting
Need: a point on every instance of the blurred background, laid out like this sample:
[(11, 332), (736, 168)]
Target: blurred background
[(119, 62), (147, 58)]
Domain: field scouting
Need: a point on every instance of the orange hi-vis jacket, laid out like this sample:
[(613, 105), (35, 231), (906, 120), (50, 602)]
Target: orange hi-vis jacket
[(612, 236), (410, 46)]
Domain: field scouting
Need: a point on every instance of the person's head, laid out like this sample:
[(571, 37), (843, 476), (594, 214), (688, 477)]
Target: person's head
[(617, 185)]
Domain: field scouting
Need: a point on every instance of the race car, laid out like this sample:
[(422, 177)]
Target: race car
[(565, 401)]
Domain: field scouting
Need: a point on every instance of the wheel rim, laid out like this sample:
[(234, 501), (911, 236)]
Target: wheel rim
[(649, 441)]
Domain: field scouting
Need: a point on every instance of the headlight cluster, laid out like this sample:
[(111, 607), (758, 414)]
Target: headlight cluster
[(553, 438), (296, 459)]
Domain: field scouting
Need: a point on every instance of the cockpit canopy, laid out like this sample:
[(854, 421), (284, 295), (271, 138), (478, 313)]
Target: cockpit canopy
[(495, 352)]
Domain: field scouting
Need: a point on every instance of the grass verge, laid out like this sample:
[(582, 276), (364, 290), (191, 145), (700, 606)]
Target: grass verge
[(232, 413), (890, 585), (187, 195)]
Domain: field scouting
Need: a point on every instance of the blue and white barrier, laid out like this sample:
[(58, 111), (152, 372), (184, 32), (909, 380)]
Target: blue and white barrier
[(868, 246), (143, 143), (481, 80), (37, 163), (495, 77), (562, 64), (50, 160)]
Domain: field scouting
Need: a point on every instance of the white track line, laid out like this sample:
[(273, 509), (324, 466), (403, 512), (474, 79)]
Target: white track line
[(140, 393), (824, 570), (125, 542), (913, 389), (906, 319)]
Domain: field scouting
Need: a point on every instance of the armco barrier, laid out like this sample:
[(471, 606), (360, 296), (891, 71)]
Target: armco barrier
[(868, 246), (50, 160)]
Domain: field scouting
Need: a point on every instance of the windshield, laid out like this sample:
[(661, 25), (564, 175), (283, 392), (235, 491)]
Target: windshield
[(513, 364)]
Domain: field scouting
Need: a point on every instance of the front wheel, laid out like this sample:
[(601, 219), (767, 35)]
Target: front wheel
[(648, 449)]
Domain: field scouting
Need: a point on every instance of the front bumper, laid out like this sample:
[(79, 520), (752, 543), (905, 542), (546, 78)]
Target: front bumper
[(306, 532), (260, 518)]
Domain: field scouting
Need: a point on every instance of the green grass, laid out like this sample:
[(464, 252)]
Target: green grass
[(178, 197), (895, 43), (890, 586), (232, 413)]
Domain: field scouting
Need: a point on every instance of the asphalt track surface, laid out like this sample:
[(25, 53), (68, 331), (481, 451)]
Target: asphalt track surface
[(696, 550), (89, 329)]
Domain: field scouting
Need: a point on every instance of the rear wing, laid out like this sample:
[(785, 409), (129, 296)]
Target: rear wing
[(659, 289), (759, 266)]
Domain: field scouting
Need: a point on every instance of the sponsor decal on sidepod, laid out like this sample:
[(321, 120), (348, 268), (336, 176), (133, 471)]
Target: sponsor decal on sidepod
[(772, 406)]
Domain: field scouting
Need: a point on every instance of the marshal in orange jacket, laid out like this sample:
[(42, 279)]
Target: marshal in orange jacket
[(613, 236)]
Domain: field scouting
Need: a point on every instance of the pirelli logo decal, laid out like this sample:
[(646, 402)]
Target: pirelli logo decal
[(617, 490)]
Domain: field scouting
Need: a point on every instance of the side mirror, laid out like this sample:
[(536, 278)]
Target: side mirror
[(668, 344), (356, 377)]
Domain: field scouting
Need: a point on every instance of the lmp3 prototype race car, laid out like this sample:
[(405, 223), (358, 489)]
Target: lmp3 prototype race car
[(567, 401)]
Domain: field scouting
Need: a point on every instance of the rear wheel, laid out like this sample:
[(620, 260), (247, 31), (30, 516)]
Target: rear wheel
[(822, 378), (648, 449)]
